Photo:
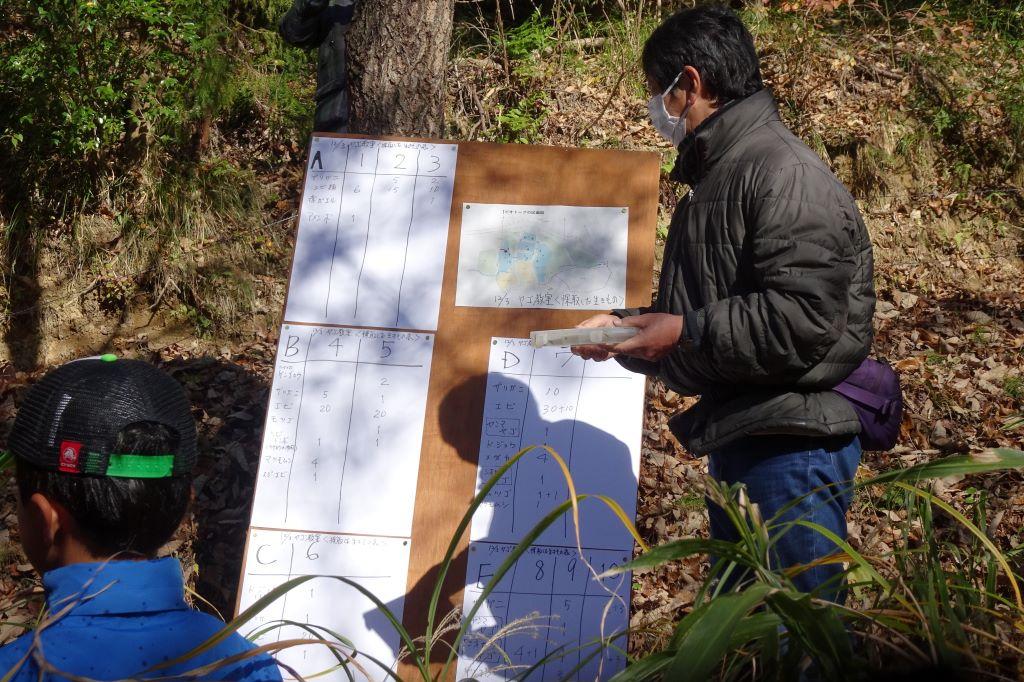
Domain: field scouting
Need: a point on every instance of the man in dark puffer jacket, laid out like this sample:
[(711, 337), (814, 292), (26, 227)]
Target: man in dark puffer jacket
[(765, 299)]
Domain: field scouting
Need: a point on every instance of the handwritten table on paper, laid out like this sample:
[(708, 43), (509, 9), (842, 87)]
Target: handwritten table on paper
[(591, 414), (378, 564), (344, 426), (372, 234), (552, 589)]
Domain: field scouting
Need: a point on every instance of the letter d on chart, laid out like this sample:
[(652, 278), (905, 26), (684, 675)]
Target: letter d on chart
[(509, 360)]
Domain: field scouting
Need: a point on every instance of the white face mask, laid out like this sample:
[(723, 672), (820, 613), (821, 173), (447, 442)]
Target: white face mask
[(672, 128)]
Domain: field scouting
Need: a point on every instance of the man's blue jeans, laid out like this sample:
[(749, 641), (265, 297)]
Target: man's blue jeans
[(778, 470)]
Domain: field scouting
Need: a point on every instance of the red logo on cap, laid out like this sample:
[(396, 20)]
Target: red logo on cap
[(69, 455)]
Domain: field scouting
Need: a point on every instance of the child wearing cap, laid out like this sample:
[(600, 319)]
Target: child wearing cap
[(104, 450)]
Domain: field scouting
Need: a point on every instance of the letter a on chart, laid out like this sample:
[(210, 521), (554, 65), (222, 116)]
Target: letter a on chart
[(372, 234)]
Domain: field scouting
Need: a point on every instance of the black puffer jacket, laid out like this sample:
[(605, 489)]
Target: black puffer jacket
[(770, 264), (323, 24)]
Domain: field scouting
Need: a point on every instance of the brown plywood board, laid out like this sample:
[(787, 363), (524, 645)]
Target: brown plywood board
[(502, 174)]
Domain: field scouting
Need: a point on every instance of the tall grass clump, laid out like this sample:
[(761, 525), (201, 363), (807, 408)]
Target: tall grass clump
[(935, 601), (444, 634), (525, 72)]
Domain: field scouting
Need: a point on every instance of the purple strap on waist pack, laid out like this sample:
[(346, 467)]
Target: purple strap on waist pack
[(873, 390)]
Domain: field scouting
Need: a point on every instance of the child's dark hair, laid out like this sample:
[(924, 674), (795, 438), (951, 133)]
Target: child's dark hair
[(114, 515)]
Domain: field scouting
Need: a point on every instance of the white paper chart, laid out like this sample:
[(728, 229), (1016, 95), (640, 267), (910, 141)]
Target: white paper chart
[(372, 234), (591, 414), (378, 564), (341, 446), (513, 256), (553, 590)]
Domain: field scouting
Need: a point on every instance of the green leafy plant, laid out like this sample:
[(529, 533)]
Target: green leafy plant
[(88, 87), (113, 293), (522, 122), (120, 125), (932, 602), (524, 41)]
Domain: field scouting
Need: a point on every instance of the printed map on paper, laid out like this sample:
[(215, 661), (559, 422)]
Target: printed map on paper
[(542, 257)]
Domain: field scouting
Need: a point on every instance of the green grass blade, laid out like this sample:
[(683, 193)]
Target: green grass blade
[(236, 623), (620, 513), (754, 626), (203, 672), (316, 631), (990, 460), (856, 556), (1013, 422), (818, 627), (505, 567), (688, 621), (982, 537), (277, 593), (453, 545), (467, 518), (680, 549), (650, 668), (596, 646), (762, 628), (559, 652), (709, 635)]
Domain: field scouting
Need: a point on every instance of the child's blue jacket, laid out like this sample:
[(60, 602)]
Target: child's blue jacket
[(117, 620)]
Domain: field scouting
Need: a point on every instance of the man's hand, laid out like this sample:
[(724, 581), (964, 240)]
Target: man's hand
[(598, 353), (659, 333)]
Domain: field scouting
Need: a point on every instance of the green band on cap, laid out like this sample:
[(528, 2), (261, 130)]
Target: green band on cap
[(109, 357), (140, 466)]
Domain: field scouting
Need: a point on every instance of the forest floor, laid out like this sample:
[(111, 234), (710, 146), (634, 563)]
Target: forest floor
[(948, 245)]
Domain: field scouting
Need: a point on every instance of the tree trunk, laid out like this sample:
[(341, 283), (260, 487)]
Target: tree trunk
[(398, 57)]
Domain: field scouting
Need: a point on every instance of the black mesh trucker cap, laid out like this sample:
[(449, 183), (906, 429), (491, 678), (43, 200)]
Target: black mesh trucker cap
[(69, 421)]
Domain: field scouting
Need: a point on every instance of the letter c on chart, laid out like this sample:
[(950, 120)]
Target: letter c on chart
[(259, 558)]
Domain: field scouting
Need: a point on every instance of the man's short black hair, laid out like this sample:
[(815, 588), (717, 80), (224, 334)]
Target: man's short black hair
[(118, 515), (711, 39)]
